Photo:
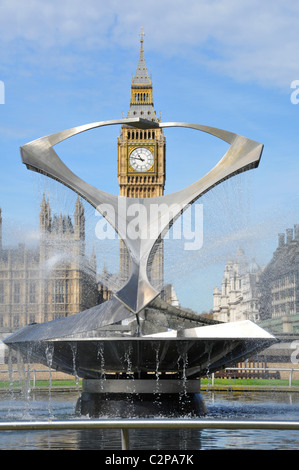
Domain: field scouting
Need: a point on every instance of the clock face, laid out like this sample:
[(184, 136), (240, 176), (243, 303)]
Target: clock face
[(141, 159)]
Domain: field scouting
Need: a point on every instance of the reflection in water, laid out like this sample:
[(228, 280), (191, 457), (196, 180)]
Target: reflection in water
[(230, 405)]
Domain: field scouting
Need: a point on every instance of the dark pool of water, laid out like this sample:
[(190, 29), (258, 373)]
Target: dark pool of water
[(230, 405)]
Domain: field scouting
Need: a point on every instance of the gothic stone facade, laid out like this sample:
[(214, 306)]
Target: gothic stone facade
[(270, 294), (279, 283), (54, 280), (238, 297)]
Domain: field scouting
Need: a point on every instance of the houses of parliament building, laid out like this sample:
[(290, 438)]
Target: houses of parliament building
[(57, 279), (54, 280)]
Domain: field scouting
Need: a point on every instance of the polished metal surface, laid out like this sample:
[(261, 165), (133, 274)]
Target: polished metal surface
[(191, 352), (157, 423), (128, 386), (124, 425), (39, 155), (96, 340)]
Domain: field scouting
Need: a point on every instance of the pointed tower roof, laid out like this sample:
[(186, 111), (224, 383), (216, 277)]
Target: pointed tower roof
[(141, 76), (141, 104)]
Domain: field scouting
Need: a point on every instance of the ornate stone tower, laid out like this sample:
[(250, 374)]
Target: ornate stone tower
[(68, 280), (141, 158), (141, 153)]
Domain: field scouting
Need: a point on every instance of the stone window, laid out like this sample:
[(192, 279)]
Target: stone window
[(17, 292), (1, 293)]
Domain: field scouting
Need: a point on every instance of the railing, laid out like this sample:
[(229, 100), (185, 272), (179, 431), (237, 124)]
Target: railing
[(125, 425), (34, 372), (31, 374), (260, 369)]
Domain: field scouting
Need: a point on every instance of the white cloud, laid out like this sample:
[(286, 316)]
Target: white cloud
[(248, 40)]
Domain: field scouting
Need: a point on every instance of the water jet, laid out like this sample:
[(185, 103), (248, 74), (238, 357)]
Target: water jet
[(154, 364)]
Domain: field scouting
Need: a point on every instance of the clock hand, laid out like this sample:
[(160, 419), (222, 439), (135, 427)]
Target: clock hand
[(139, 158)]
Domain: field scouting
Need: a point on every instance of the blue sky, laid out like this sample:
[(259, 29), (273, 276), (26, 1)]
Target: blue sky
[(227, 64)]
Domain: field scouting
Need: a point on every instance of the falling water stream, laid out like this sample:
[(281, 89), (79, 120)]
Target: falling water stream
[(30, 404), (229, 405), (49, 356), (101, 358), (33, 405)]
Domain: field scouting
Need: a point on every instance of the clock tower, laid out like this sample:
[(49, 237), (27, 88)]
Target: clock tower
[(141, 152), (141, 159)]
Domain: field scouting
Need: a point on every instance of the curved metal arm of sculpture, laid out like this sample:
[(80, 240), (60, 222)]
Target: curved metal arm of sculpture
[(39, 155), (243, 154)]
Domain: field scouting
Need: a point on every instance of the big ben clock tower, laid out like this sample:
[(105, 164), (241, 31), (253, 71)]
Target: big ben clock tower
[(141, 152), (141, 157)]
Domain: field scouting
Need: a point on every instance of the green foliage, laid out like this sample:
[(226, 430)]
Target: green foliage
[(255, 382), (41, 384), (205, 381)]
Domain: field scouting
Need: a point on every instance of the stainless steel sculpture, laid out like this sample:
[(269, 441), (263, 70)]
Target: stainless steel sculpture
[(39, 155), (190, 349)]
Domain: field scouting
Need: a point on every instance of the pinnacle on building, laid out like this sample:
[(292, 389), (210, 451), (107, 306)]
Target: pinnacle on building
[(141, 104)]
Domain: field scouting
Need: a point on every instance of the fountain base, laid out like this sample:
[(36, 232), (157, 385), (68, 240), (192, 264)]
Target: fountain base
[(146, 398), (131, 373)]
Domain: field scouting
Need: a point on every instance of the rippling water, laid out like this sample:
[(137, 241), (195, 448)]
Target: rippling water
[(230, 405)]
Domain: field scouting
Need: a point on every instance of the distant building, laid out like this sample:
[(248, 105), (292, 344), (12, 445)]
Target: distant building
[(107, 283), (54, 280), (279, 282), (238, 297)]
